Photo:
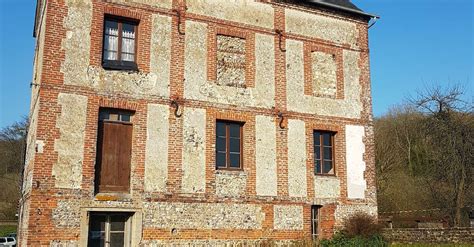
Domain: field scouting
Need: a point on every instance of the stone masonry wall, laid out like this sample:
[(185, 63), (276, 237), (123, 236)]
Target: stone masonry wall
[(430, 235), (177, 196)]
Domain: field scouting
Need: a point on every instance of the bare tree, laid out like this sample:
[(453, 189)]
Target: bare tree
[(448, 127)]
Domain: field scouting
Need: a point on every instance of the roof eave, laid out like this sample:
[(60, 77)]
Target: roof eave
[(354, 11)]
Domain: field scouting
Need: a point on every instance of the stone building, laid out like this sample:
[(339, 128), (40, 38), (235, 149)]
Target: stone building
[(197, 122)]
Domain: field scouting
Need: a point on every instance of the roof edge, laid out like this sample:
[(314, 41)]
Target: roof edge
[(334, 6)]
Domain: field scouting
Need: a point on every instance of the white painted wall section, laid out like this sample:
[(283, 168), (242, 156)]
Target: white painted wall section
[(355, 150), (297, 183), (156, 153), (266, 183), (194, 150)]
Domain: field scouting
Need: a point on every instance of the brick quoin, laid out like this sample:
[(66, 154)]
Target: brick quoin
[(72, 88)]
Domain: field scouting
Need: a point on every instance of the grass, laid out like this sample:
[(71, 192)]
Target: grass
[(4, 230), (429, 245)]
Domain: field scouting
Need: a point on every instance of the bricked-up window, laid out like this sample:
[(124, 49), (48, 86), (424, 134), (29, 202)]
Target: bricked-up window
[(114, 150), (231, 62), (228, 145), (324, 68), (119, 48), (109, 230), (323, 152), (315, 215)]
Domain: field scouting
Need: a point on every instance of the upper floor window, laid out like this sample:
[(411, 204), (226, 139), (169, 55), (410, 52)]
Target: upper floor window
[(228, 145), (323, 152), (119, 49)]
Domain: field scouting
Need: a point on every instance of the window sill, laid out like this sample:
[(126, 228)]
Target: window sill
[(120, 65), (230, 171), (325, 175), (109, 196)]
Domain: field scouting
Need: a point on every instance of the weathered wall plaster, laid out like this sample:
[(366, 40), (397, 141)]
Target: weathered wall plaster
[(77, 42), (197, 87), (266, 168), (324, 74), (70, 146), (203, 215), (156, 153), (296, 158), (326, 187), (76, 62), (355, 150), (230, 184), (321, 27), (194, 150), (242, 11), (349, 107), (288, 217)]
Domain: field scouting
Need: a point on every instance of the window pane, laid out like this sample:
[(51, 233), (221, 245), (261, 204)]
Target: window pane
[(318, 166), (328, 167), (220, 129), (220, 159), (316, 137), (117, 222), (234, 130), (103, 115), (327, 139), (235, 160), (111, 40), (116, 239), (234, 145), (97, 223), (125, 117), (327, 153), (317, 152), (220, 144)]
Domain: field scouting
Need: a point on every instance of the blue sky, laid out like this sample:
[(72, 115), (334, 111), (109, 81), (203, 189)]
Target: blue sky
[(415, 43)]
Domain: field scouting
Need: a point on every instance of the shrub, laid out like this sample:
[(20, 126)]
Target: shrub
[(341, 240), (361, 225)]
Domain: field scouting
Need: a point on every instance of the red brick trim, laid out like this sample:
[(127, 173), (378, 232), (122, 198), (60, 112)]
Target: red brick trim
[(248, 35), (143, 36), (118, 104), (308, 49), (248, 161), (339, 152)]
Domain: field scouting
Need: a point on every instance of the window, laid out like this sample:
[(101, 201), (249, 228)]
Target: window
[(114, 149), (109, 230), (228, 145), (119, 48), (231, 61), (315, 213), (323, 152)]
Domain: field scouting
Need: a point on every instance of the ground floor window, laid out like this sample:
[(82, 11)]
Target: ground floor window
[(109, 229), (315, 214)]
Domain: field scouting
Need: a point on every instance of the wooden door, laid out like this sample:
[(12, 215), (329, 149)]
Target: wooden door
[(114, 156)]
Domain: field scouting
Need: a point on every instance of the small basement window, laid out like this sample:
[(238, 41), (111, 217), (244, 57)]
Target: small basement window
[(119, 48), (315, 215), (109, 229)]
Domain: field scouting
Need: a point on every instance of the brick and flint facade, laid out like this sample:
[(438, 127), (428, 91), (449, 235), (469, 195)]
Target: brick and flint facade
[(283, 71)]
